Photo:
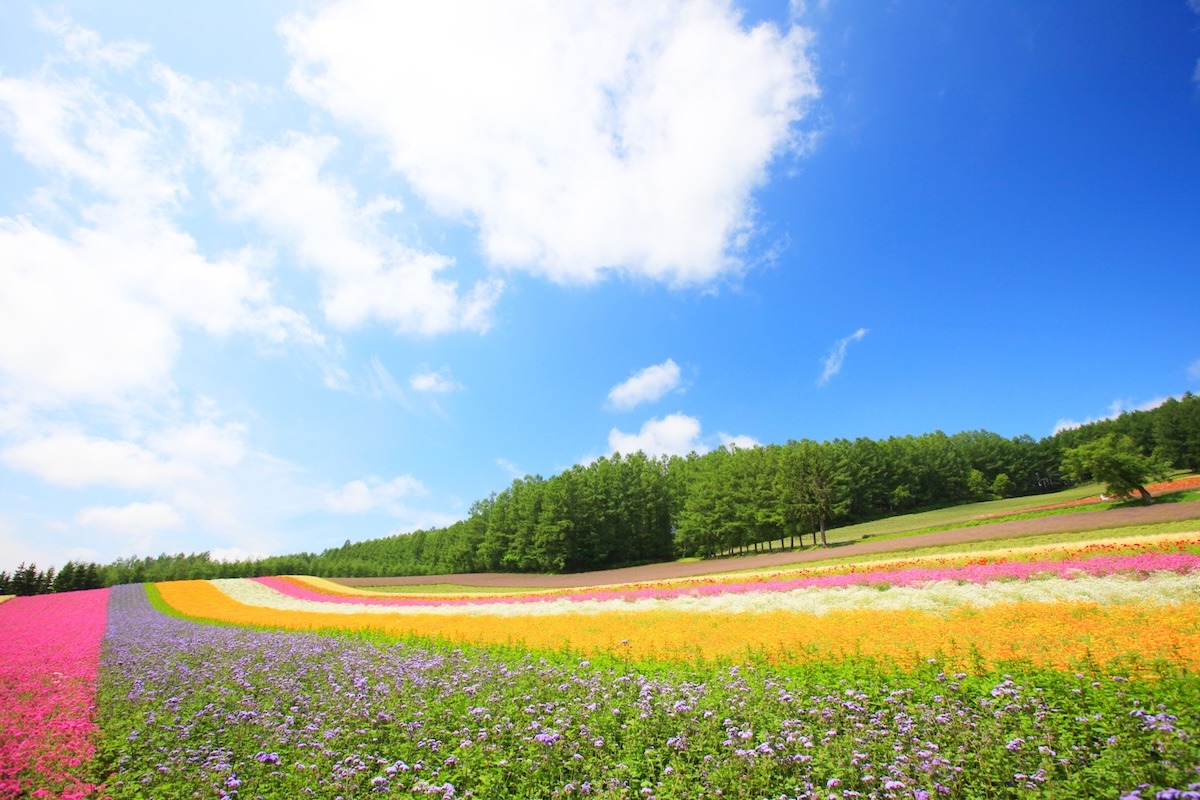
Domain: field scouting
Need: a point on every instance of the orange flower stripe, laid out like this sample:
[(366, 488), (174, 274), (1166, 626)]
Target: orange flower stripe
[(1060, 635)]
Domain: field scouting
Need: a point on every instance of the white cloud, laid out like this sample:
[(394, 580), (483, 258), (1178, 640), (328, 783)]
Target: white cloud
[(287, 190), (1193, 370), (74, 459), (579, 137), (94, 293), (136, 519), (85, 45), (673, 435), (509, 467), (136, 525), (438, 382), (373, 493), (645, 386), (833, 362), (202, 444), (381, 384), (740, 442), (1115, 410)]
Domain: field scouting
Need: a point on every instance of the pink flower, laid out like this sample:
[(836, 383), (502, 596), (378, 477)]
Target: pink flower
[(49, 657)]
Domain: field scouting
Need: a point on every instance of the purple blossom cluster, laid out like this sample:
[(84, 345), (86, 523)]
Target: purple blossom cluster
[(217, 711)]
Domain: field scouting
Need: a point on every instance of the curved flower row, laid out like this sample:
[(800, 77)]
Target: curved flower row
[(1181, 563), (1051, 622), (225, 711), (933, 596)]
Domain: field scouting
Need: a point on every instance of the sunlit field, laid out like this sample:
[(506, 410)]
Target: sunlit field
[(1066, 669)]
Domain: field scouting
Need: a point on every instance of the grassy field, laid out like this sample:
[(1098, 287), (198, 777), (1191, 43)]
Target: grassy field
[(972, 513)]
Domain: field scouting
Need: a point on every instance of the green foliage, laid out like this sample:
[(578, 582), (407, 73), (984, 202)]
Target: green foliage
[(1116, 461), (29, 580)]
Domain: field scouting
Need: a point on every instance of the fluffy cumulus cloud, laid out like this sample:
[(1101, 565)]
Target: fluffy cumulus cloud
[(73, 459), (286, 188), (99, 277), (154, 216), (102, 274), (837, 356), (672, 435), (391, 497), (740, 442), (373, 493), (645, 386), (579, 137)]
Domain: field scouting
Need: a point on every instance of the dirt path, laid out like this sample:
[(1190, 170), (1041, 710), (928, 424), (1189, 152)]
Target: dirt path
[(1079, 521)]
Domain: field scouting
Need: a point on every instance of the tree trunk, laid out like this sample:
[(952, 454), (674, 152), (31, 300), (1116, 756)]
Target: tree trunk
[(1146, 497), (824, 541)]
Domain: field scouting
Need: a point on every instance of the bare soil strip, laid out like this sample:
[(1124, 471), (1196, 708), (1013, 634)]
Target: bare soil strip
[(1064, 523)]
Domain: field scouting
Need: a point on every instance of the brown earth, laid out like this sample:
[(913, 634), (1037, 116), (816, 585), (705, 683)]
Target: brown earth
[(1063, 523)]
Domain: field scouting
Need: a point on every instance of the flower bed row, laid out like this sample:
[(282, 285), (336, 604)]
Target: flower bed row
[(1182, 563), (226, 711), (1025, 559), (1058, 621), (49, 658)]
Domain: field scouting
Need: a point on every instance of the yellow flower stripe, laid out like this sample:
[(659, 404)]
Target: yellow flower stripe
[(339, 590), (1050, 634), (1163, 542)]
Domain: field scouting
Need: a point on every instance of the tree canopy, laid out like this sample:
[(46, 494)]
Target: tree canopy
[(1115, 461)]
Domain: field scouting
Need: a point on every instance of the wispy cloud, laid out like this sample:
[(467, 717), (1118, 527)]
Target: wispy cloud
[(1195, 6), (382, 385), (1193, 370), (1115, 410), (509, 467), (645, 386), (833, 362), (437, 382)]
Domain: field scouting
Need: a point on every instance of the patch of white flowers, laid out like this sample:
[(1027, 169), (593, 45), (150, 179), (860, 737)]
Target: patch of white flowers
[(935, 597)]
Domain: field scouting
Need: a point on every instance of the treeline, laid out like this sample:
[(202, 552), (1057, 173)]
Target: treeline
[(29, 580), (629, 509), (633, 509)]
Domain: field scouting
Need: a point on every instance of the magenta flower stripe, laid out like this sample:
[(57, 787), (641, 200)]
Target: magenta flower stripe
[(49, 659), (1134, 565)]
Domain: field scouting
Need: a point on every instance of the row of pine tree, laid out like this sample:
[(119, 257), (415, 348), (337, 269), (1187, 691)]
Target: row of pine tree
[(629, 509)]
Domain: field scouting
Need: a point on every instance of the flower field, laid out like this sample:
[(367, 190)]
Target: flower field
[(1068, 671), (49, 658)]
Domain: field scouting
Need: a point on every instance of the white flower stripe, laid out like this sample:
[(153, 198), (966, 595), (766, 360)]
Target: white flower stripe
[(937, 597)]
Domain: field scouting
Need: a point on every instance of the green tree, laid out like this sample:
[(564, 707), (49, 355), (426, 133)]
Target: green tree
[(821, 485), (1002, 486), (1116, 461)]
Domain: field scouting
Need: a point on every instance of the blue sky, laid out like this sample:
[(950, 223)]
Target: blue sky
[(281, 274)]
